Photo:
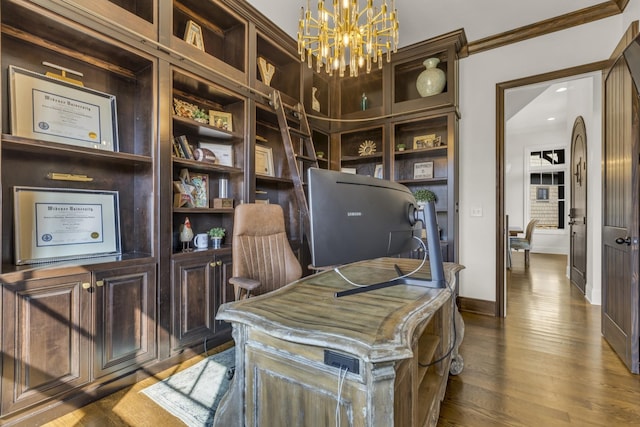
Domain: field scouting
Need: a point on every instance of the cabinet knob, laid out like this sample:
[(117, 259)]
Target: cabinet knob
[(86, 285), (218, 262), (212, 265), (99, 283)]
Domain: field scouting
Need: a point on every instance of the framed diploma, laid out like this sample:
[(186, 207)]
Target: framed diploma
[(54, 224), (264, 161), (53, 110)]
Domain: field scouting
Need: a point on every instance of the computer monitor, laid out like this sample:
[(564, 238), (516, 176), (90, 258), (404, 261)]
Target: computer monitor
[(357, 217)]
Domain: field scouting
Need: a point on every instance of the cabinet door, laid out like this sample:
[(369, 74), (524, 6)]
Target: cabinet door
[(45, 339), (194, 300), (125, 306)]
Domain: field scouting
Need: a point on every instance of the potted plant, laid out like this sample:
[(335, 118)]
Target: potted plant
[(401, 146), (199, 115), (320, 154), (423, 196), (216, 234)]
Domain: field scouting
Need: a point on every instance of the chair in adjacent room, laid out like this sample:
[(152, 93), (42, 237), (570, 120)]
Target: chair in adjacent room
[(262, 257), (524, 243)]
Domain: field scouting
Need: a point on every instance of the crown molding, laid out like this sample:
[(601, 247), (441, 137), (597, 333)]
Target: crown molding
[(579, 17)]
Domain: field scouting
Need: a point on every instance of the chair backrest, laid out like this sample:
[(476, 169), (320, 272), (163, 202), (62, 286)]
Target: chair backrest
[(528, 234), (260, 247)]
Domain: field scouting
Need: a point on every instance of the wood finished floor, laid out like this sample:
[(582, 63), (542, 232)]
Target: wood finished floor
[(546, 364)]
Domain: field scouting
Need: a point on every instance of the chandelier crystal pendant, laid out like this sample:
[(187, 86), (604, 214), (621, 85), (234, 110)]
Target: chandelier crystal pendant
[(347, 36)]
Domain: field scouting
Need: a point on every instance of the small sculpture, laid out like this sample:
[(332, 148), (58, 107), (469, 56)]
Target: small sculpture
[(315, 104), (266, 70), (186, 235), (367, 148)]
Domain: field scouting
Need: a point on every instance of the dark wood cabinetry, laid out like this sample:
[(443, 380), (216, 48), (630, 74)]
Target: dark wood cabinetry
[(52, 326), (46, 339), (200, 285), (76, 328), (402, 136)]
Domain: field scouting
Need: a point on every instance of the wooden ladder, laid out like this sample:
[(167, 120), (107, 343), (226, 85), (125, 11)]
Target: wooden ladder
[(300, 157)]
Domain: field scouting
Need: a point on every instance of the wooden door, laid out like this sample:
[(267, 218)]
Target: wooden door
[(620, 215), (578, 211)]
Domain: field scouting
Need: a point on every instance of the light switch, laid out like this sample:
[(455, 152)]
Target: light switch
[(476, 211)]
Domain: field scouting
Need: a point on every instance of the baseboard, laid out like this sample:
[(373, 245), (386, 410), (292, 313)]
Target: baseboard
[(478, 306)]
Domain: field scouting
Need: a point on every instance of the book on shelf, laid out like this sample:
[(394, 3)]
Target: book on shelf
[(186, 151)]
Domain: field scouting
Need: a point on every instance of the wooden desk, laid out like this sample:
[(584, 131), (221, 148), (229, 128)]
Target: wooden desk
[(391, 335)]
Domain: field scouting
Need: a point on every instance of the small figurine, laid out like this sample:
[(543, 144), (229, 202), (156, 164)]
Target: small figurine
[(186, 235)]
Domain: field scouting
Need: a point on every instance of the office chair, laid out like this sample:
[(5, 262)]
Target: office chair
[(524, 243), (262, 257)]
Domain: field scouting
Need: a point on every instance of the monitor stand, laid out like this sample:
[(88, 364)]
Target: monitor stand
[(435, 258), (409, 281)]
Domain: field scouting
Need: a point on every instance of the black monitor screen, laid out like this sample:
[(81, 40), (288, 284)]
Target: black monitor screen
[(357, 217)]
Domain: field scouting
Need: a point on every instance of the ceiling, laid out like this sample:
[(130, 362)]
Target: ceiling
[(423, 19), (420, 20)]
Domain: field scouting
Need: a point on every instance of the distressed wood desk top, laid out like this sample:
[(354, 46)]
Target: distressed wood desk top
[(375, 326)]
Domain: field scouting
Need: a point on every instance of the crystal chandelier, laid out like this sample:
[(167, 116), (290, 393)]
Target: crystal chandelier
[(348, 35)]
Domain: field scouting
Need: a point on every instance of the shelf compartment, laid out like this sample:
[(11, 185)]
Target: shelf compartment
[(352, 88), (405, 75), (223, 32), (124, 74), (286, 77)]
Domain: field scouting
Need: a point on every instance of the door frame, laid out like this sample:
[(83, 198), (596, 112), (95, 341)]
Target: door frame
[(501, 231)]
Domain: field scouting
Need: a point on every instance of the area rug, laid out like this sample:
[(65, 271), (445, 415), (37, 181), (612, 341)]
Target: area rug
[(193, 394)]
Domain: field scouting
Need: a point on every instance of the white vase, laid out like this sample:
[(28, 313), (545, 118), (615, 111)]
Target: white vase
[(432, 80)]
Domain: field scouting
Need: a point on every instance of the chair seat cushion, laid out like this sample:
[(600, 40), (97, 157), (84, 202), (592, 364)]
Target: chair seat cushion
[(519, 243)]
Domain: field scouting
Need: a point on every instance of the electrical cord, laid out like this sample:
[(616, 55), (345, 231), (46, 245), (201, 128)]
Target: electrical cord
[(341, 378), (424, 259)]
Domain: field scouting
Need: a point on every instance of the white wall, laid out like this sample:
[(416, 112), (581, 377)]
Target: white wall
[(517, 147), (479, 75)]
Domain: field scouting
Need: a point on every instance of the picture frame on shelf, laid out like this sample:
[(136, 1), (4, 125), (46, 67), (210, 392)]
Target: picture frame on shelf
[(221, 120), (200, 182), (424, 141), (423, 170), (264, 160), (193, 35), (54, 110), (55, 224), (223, 152), (378, 171)]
